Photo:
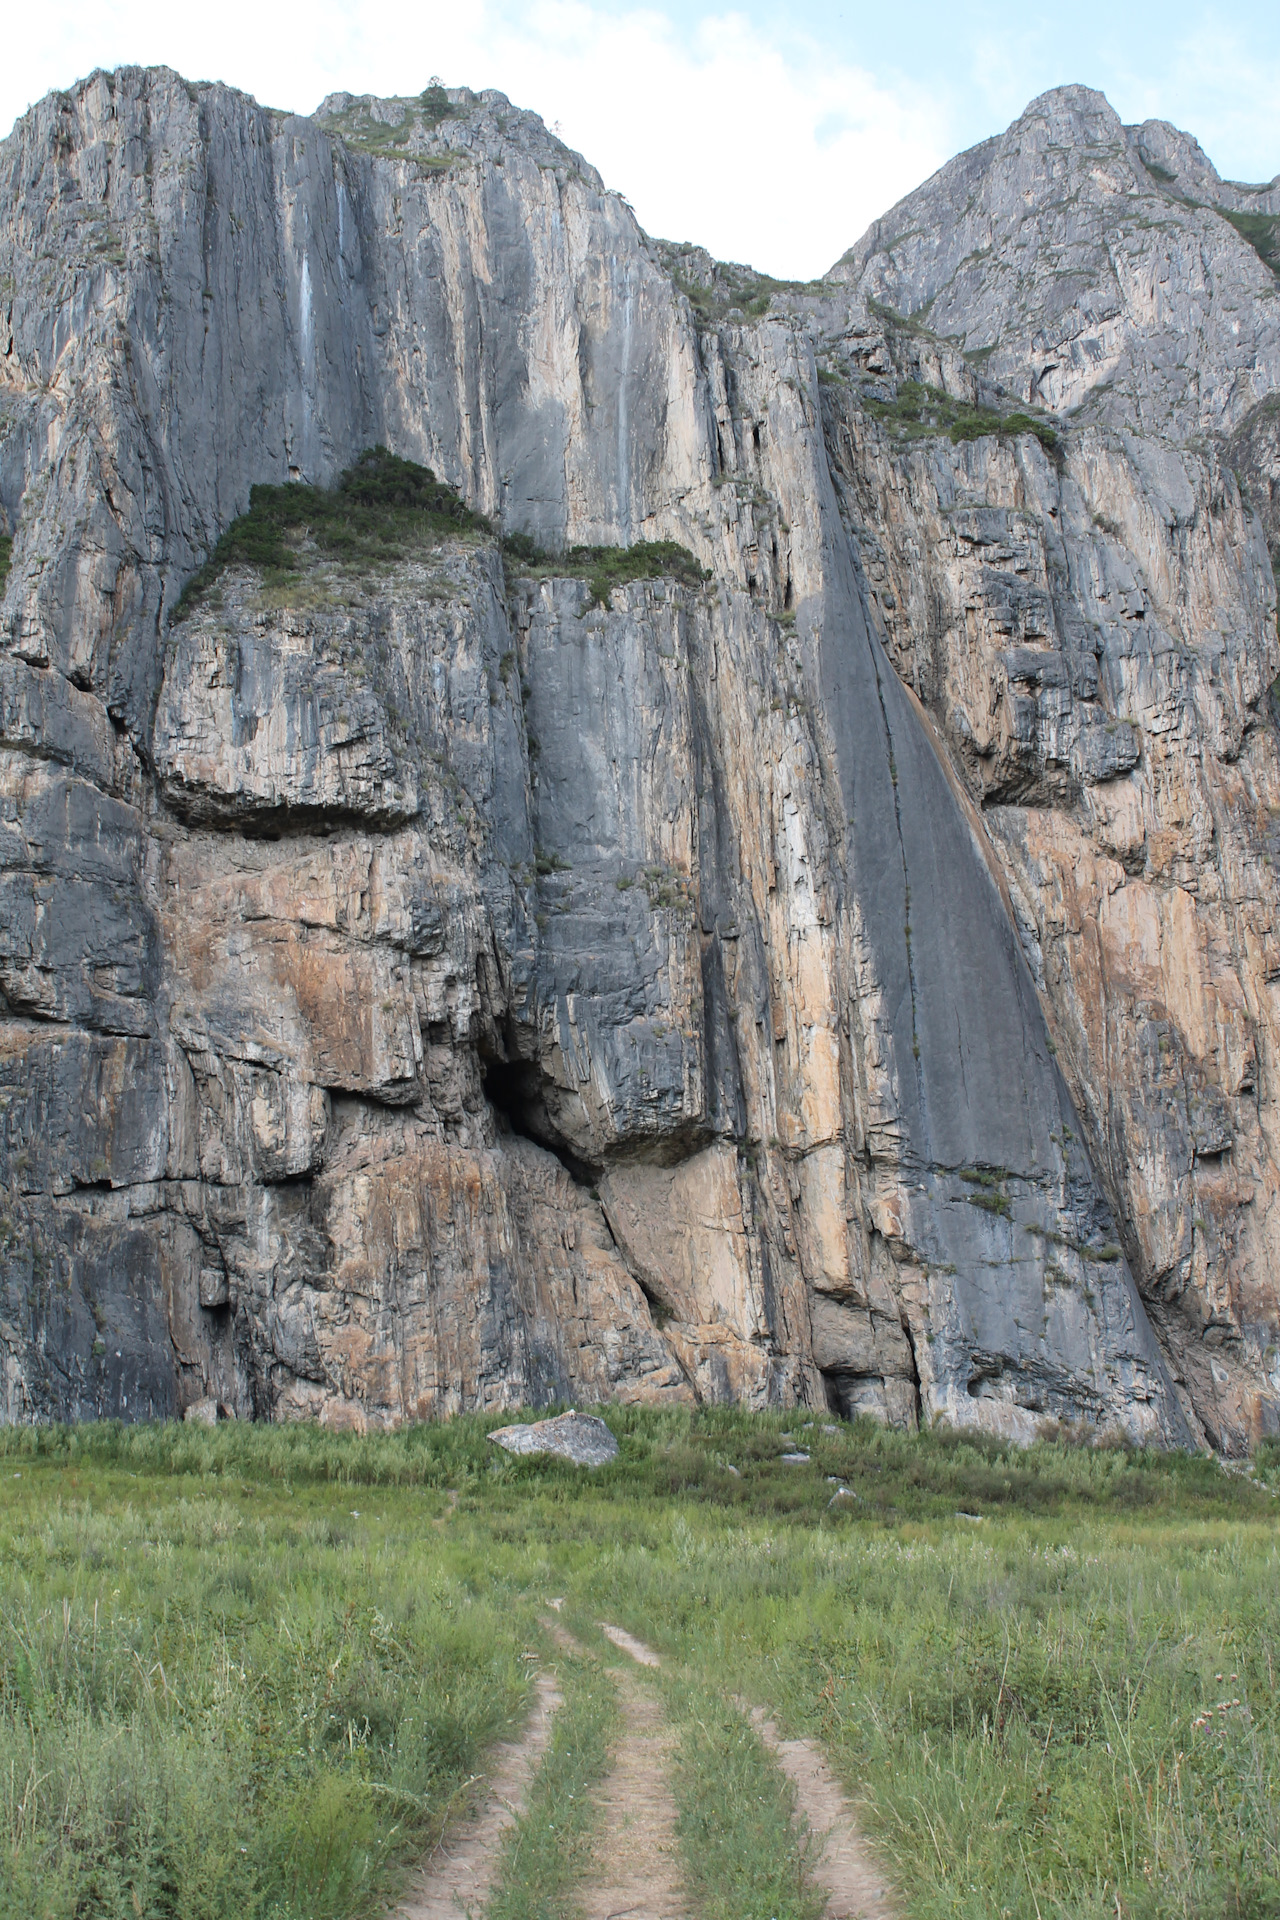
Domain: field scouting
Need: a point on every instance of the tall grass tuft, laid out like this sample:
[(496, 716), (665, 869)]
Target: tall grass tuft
[(230, 1704)]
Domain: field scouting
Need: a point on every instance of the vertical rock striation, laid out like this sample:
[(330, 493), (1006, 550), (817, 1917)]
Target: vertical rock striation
[(444, 978), (1093, 629)]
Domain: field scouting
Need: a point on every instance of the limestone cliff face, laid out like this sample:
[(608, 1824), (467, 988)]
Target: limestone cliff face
[(1095, 636), (1091, 268), (428, 985)]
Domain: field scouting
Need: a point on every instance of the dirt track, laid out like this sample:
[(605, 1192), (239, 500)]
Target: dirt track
[(635, 1873), (458, 1878)]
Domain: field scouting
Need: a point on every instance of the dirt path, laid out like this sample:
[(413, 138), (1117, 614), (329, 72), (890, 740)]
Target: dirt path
[(856, 1888), (627, 1643), (456, 1881), (636, 1875)]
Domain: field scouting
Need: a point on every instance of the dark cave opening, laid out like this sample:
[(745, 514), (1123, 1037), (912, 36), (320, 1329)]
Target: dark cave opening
[(513, 1089), (846, 1392), (660, 1311)]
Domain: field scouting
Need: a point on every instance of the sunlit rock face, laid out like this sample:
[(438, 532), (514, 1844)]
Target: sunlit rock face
[(1091, 267), (437, 984)]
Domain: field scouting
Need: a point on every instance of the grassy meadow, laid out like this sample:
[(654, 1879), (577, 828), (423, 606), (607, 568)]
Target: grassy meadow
[(247, 1673)]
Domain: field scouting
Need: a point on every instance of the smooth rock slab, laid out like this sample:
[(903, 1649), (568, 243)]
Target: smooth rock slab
[(580, 1437)]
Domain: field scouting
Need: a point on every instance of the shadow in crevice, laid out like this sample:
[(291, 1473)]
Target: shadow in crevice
[(513, 1089)]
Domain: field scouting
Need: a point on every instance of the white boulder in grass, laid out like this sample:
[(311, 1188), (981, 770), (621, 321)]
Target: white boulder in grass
[(580, 1437), (207, 1412)]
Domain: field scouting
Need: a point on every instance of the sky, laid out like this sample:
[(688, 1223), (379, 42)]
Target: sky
[(771, 133)]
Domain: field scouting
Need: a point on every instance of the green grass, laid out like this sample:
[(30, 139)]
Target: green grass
[(741, 1853), (921, 412), (256, 1638), (231, 1700), (1262, 231)]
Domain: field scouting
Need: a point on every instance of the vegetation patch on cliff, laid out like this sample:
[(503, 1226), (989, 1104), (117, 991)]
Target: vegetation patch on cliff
[(919, 412), (6, 554), (604, 568), (245, 1671), (721, 290), (360, 127), (1262, 231), (379, 510)]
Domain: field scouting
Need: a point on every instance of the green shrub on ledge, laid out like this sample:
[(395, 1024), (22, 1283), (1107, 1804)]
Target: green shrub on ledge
[(604, 568), (382, 507), (379, 508), (1262, 231), (918, 411)]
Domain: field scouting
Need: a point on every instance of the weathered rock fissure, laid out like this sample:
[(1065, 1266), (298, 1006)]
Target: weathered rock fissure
[(433, 980)]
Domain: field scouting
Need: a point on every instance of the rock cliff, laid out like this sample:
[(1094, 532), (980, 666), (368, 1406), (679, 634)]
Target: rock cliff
[(755, 884)]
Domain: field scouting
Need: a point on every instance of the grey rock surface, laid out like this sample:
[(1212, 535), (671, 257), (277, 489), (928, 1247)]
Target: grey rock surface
[(1090, 268), (582, 1438), (426, 986)]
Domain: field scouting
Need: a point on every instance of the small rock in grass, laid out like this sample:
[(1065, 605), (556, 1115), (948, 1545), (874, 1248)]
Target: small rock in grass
[(733, 1470), (829, 1429), (203, 1413), (842, 1497), (795, 1459), (580, 1437)]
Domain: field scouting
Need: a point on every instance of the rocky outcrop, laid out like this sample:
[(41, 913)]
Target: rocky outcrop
[(1093, 631), (1086, 276), (579, 1437), (435, 976)]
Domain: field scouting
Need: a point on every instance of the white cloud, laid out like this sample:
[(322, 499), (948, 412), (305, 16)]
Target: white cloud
[(780, 158), (1223, 89), (1218, 79)]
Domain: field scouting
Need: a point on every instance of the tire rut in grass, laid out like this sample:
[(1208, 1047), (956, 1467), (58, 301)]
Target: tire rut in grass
[(456, 1881), (843, 1866), (548, 1852), (627, 1643), (636, 1872)]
